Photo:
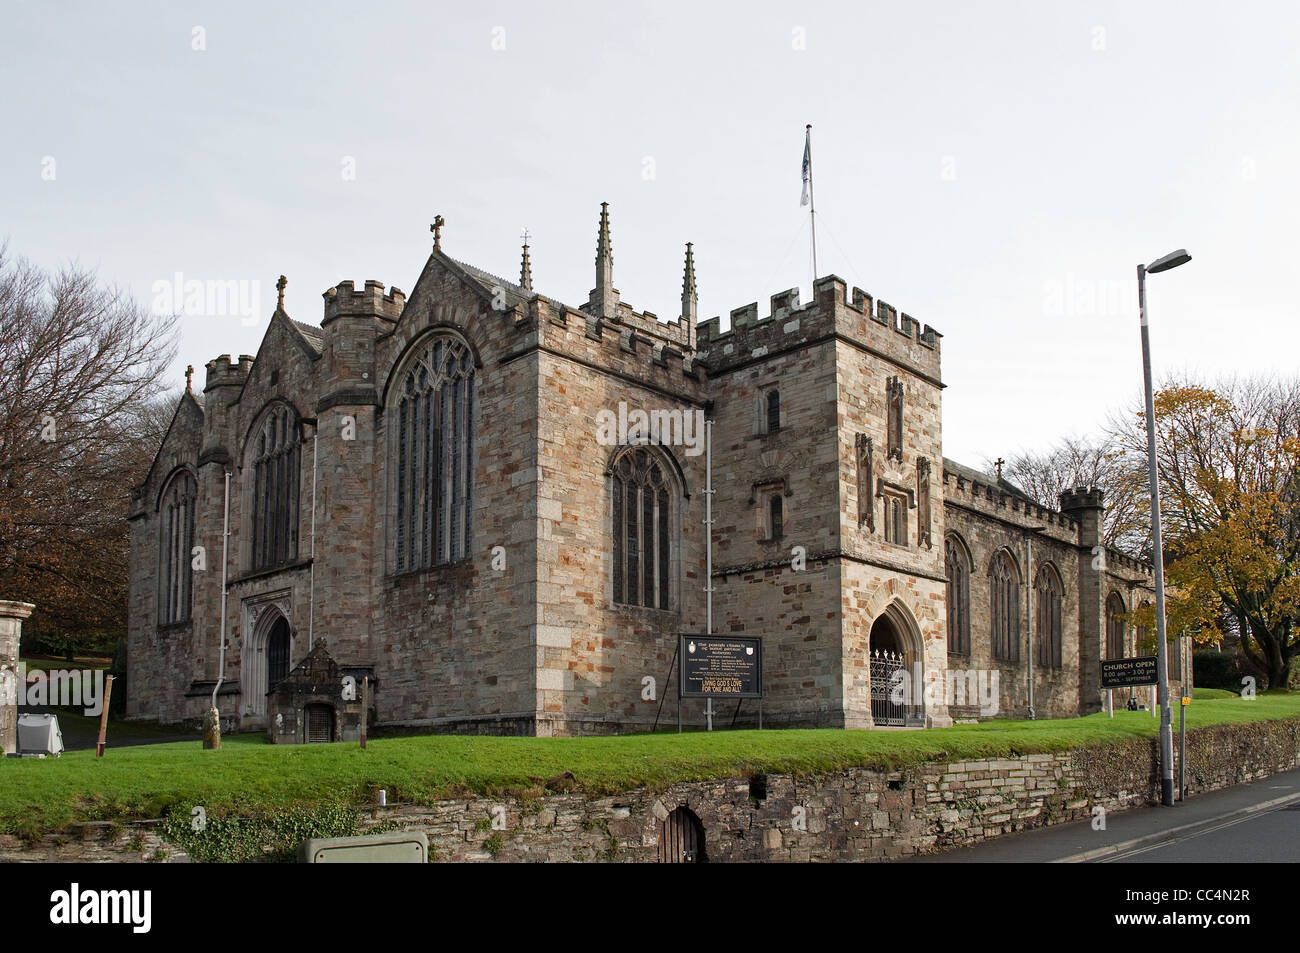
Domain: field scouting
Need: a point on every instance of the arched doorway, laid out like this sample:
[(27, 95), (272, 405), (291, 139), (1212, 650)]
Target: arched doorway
[(897, 686), (681, 838), (277, 653)]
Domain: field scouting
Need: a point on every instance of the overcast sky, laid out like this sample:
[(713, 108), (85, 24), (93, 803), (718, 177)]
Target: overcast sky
[(996, 170)]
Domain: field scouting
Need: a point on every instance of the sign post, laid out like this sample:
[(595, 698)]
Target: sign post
[(715, 666), (1129, 672)]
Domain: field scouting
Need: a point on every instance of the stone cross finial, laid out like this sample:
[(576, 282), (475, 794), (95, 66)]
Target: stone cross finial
[(998, 463), (189, 376), (436, 228), (279, 288)]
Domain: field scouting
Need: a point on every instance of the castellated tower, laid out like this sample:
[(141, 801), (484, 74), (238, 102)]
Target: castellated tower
[(828, 470)]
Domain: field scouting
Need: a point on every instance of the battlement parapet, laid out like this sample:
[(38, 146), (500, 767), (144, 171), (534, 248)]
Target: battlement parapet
[(224, 372), (1082, 497), (1115, 558), (344, 300), (834, 309), (617, 345), (988, 496)]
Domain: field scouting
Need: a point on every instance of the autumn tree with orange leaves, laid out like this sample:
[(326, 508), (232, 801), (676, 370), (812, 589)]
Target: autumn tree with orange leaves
[(1228, 459)]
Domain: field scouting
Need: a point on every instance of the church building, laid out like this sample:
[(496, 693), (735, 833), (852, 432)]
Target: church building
[(452, 500)]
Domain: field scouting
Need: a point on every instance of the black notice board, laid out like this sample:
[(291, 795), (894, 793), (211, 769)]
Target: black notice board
[(1129, 672), (721, 666)]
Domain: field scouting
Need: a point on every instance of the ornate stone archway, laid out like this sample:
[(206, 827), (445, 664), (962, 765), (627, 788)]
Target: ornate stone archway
[(260, 615), (897, 646)]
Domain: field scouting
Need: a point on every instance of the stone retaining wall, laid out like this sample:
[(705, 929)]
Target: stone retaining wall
[(853, 815)]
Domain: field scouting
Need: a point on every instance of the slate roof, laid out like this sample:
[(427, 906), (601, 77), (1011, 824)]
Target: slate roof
[(314, 335), (979, 476)]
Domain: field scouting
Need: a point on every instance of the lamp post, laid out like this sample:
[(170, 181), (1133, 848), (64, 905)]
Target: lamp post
[(1172, 260)]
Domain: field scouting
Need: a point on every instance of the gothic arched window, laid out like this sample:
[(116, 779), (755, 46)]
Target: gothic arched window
[(958, 569), (275, 488), (1050, 596), (1004, 607), (433, 422), (1115, 628), (176, 543), (642, 531)]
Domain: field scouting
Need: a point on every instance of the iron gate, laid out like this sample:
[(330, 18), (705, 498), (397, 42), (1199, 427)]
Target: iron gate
[(884, 688), (320, 724)]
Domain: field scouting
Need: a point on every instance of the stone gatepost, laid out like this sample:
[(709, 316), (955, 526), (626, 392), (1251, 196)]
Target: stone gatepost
[(11, 630)]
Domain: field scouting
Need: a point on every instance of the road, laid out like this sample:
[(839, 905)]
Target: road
[(1257, 822)]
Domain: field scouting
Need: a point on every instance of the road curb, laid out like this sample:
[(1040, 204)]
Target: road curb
[(1173, 831)]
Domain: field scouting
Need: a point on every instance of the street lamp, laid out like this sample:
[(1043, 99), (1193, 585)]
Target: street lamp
[(1172, 260)]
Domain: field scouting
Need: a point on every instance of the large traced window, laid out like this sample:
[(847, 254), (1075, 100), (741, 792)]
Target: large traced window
[(1004, 607), (433, 420), (275, 465), (1049, 596), (958, 569), (1115, 627), (642, 530), (176, 542)]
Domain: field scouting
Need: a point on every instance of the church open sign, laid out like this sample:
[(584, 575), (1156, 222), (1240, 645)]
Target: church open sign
[(1128, 672), (721, 667)]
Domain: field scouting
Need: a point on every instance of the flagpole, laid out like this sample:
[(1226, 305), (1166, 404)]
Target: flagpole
[(812, 204)]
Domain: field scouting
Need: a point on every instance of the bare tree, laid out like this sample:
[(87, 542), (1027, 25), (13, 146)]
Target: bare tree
[(1095, 462), (80, 366)]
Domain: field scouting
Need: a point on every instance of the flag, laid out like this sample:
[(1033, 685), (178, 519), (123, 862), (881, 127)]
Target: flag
[(807, 168)]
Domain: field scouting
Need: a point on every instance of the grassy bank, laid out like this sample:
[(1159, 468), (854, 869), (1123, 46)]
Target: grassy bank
[(247, 775)]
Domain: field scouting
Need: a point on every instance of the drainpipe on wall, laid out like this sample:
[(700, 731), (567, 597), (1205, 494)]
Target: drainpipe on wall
[(1029, 619), (311, 585), (225, 542)]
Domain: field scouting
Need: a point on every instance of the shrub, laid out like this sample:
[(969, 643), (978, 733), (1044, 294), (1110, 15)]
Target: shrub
[(1216, 670)]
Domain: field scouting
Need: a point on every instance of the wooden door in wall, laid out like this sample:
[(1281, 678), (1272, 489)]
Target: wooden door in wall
[(681, 838)]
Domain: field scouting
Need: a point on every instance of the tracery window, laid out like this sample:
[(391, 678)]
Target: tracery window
[(1049, 595), (176, 543), (1004, 607), (642, 531), (275, 488), (958, 569), (433, 421), (1115, 628)]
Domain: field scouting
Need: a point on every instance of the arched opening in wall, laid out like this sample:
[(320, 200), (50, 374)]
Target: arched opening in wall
[(681, 838), (319, 722), (897, 688), (277, 653)]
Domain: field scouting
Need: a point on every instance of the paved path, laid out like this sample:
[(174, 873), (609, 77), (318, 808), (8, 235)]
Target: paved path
[(1241, 823)]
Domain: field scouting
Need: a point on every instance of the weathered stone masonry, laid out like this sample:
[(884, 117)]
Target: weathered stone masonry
[(856, 815), (827, 414)]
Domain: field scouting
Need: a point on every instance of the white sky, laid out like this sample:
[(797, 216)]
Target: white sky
[(996, 170)]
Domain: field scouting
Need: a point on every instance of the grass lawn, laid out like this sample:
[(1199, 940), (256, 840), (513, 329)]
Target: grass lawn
[(46, 663), (248, 775)]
